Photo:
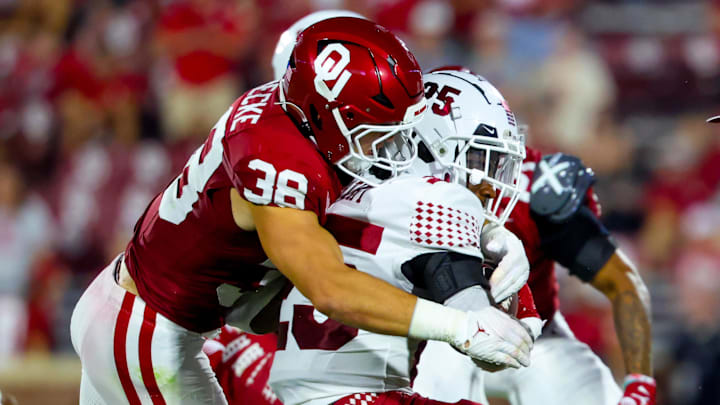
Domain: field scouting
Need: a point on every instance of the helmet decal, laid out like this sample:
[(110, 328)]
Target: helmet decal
[(328, 68), (357, 90), (472, 136)]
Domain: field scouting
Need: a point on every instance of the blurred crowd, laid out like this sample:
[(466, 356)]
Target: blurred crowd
[(102, 101)]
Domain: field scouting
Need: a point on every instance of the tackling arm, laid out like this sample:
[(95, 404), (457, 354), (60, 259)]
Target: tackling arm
[(311, 259), (620, 282)]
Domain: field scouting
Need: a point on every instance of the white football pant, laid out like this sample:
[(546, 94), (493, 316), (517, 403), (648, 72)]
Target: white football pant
[(131, 354), (562, 370)]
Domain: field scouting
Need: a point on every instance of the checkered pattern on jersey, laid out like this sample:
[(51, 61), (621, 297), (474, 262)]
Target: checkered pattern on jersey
[(436, 225), (358, 399)]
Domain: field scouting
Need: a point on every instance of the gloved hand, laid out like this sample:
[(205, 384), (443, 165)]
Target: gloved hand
[(639, 390), (494, 340), (513, 269)]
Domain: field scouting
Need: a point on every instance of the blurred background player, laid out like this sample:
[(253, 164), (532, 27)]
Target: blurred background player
[(557, 220)]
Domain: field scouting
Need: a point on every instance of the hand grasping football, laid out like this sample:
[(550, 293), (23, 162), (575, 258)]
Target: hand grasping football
[(509, 305)]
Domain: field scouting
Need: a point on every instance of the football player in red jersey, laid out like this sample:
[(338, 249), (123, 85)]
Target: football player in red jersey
[(235, 388), (556, 218), (237, 391), (253, 197)]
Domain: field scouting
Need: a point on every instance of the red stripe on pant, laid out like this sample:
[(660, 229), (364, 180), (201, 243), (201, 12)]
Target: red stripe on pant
[(144, 350), (395, 398), (119, 349)]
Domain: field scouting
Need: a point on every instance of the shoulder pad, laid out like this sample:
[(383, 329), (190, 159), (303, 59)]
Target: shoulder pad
[(559, 185)]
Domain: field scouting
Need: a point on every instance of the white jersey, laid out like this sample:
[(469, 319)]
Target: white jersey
[(378, 230)]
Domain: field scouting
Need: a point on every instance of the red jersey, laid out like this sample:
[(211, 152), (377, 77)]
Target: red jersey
[(187, 257), (542, 281), (242, 362)]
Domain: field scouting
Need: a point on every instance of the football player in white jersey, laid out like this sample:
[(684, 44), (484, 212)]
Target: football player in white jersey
[(422, 235), (467, 126), (553, 226), (510, 257), (512, 269)]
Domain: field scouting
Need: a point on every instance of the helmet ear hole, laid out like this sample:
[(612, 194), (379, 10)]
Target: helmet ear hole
[(424, 153), (315, 117)]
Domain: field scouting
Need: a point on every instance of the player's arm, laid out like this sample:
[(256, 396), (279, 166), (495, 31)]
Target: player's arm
[(620, 282), (457, 280), (586, 249), (293, 239), (311, 259)]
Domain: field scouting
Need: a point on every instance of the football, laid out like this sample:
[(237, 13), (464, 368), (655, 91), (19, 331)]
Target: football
[(509, 305)]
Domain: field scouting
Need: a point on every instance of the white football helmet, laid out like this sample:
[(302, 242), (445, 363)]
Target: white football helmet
[(285, 44), (472, 136)]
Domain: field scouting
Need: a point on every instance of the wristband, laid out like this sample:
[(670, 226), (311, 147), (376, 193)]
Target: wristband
[(432, 321), (638, 378)]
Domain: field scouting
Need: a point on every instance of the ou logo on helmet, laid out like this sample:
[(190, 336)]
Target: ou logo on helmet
[(329, 68)]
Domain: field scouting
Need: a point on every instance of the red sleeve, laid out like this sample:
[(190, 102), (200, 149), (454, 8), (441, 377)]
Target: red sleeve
[(268, 159), (279, 180), (286, 173), (526, 304)]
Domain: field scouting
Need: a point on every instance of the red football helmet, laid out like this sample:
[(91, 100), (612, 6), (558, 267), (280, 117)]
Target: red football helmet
[(359, 91)]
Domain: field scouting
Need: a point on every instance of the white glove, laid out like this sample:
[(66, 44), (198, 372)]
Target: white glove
[(493, 337), (501, 246)]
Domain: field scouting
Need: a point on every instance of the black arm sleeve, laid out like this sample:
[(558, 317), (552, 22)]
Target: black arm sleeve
[(438, 276), (582, 244)]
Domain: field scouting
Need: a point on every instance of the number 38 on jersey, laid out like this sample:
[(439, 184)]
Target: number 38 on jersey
[(285, 189)]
